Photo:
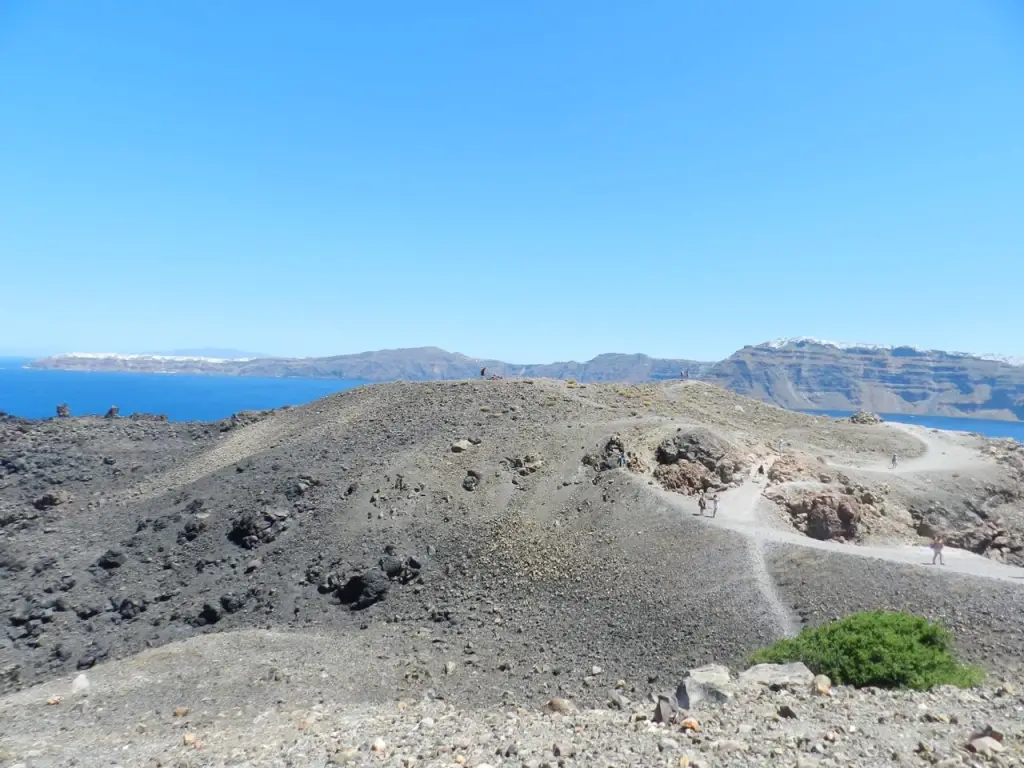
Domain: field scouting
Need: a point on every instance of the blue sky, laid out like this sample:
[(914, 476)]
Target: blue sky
[(526, 180)]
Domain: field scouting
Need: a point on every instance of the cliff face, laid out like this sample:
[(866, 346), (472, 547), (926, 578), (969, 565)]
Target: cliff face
[(812, 374), (793, 373)]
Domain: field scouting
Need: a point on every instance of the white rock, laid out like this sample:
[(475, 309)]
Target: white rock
[(778, 675), (80, 684)]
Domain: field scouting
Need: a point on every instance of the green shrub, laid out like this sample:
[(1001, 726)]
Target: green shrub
[(876, 648)]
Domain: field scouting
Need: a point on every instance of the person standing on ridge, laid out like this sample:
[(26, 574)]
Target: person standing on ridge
[(894, 461), (937, 546), (714, 505), (483, 372)]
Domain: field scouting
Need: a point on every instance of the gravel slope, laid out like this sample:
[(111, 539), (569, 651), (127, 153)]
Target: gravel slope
[(404, 531)]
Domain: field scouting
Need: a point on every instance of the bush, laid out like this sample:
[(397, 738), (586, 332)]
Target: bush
[(877, 648)]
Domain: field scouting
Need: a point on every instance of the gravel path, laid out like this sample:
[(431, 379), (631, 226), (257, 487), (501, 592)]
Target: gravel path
[(744, 510)]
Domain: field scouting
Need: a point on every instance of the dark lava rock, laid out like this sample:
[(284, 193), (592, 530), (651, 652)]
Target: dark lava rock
[(52, 499), (131, 607), (250, 529), (210, 614), (472, 480), (365, 589), (112, 558)]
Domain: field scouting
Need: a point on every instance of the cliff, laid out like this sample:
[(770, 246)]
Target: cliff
[(814, 374)]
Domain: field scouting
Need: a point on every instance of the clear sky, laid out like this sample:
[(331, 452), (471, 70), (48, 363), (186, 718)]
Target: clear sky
[(527, 180)]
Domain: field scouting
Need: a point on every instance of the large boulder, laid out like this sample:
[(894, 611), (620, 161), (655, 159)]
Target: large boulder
[(364, 589), (824, 514), (683, 477), (711, 683), (697, 460), (866, 417), (698, 445)]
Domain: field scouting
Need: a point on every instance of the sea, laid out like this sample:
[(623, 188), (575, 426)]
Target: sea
[(36, 394), (986, 427)]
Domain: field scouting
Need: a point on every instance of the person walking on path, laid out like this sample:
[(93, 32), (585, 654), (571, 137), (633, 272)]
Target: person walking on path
[(894, 459), (714, 505), (702, 503), (937, 546)]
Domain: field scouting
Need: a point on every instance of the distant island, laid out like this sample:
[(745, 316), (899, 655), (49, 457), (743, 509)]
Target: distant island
[(797, 373)]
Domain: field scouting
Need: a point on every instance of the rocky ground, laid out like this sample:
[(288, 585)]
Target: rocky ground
[(256, 698), (477, 548)]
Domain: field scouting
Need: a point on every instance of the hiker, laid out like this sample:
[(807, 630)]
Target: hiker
[(622, 459), (702, 503), (760, 470), (714, 505), (937, 545), (894, 461), (483, 372)]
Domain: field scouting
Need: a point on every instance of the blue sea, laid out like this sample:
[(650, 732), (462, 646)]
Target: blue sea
[(35, 394), (1014, 429)]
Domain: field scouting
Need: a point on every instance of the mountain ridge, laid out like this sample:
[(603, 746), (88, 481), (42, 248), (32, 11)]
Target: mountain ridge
[(803, 373)]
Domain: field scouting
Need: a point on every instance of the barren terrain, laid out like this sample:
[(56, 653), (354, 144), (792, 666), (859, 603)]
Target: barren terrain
[(476, 549)]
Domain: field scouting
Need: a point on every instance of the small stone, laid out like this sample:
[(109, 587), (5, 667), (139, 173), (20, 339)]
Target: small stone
[(1006, 689), (988, 730), (787, 712), (666, 709), (181, 711), (563, 749), (617, 701), (461, 445), (427, 722), (379, 745), (986, 746), (449, 667), (729, 745), (561, 706), (596, 670), (54, 700), (189, 739), (668, 745), (690, 724), (821, 685), (80, 684)]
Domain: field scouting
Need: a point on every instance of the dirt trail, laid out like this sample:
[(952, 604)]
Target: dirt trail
[(941, 454), (745, 511)]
